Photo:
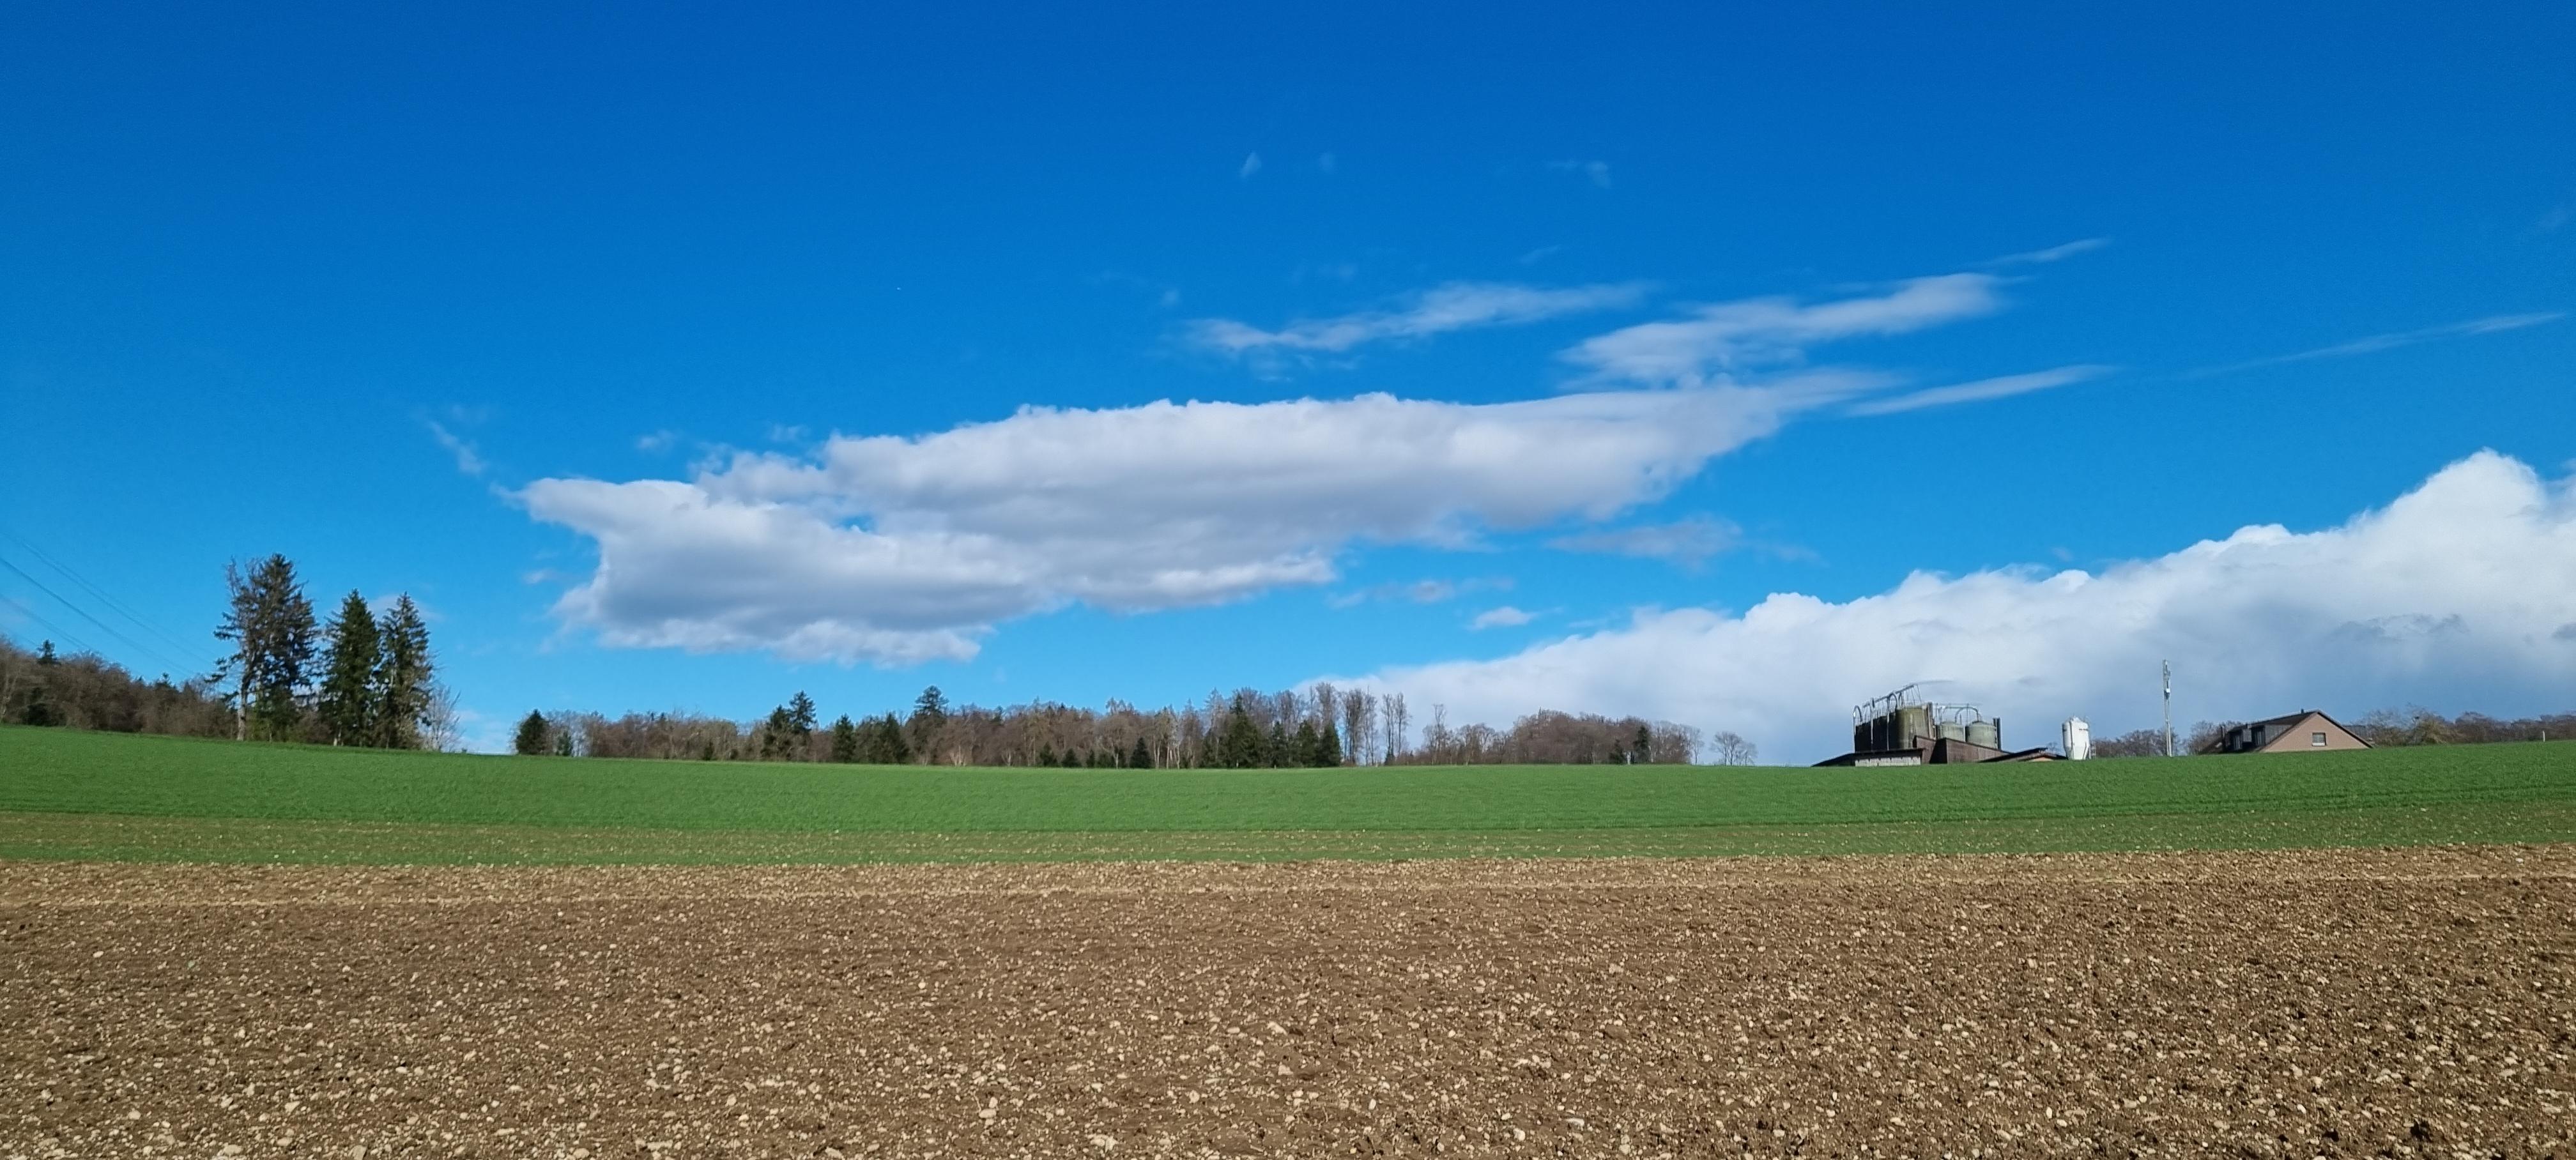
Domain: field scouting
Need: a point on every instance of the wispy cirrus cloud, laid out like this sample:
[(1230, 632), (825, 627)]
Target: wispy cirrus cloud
[(2372, 344), (1596, 172), (1716, 343), (2000, 387), (468, 460), (1251, 165), (1420, 591), (1503, 616), (1688, 542), (1449, 307), (2057, 253)]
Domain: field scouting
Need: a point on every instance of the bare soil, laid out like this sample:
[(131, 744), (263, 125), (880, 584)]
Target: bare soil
[(2335, 1003)]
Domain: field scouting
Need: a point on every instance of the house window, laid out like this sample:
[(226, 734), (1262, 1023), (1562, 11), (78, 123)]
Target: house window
[(2317, 740)]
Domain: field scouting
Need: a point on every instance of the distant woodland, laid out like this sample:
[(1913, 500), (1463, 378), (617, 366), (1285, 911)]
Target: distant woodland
[(367, 677)]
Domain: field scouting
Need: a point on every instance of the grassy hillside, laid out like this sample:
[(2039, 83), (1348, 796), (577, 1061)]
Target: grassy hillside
[(68, 794)]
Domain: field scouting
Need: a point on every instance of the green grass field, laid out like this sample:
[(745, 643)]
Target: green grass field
[(65, 794)]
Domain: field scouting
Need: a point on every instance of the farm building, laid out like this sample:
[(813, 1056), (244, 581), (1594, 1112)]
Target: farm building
[(1902, 729), (2307, 732)]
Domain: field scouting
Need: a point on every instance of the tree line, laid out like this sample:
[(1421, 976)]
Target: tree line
[(363, 679), (2383, 728), (1321, 726)]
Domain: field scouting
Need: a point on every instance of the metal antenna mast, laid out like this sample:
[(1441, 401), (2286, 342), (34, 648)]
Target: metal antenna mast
[(2169, 709)]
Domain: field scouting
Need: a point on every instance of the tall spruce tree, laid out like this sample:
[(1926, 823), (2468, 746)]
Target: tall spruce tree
[(403, 671), (1328, 747), (531, 741), (269, 623), (350, 656), (1238, 745), (1141, 757), (845, 740), (800, 724), (1303, 751)]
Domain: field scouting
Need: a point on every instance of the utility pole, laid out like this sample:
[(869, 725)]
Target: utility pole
[(2169, 709)]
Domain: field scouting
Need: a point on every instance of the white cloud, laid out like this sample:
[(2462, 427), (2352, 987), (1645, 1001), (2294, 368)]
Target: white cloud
[(1439, 310), (1596, 172), (1251, 165), (1719, 342), (468, 460), (2493, 324), (1687, 542), (2057, 253), (656, 441), (1504, 616), (1995, 388), (2444, 597), (1420, 591), (898, 550)]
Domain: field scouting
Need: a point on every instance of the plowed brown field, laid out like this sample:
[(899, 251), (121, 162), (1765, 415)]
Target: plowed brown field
[(2343, 1003)]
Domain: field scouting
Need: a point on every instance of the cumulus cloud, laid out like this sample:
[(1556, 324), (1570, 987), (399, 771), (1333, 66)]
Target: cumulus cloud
[(1504, 616), (2455, 594), (899, 550), (1721, 342), (2001, 387), (1439, 310)]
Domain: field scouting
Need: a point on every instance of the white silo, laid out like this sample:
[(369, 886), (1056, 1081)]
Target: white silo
[(2079, 739)]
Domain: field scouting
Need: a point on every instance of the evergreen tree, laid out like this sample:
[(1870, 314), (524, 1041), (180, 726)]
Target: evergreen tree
[(532, 735), (347, 706), (1302, 748), (929, 717), (1328, 747), (887, 747), (563, 742), (1642, 751), (1141, 757), (1238, 744), (403, 672), (1046, 757), (40, 708), (800, 715), (776, 734), (270, 626), (1274, 748), (845, 740)]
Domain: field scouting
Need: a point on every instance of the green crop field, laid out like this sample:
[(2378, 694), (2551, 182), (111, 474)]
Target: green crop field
[(66, 794)]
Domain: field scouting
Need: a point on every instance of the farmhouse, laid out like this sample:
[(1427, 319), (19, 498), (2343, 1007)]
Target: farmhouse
[(1901, 729), (2305, 732)]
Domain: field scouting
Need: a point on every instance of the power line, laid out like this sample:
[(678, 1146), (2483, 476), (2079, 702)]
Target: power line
[(103, 625), (56, 629), (94, 590)]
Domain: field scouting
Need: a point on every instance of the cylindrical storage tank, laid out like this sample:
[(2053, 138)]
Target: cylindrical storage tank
[(1986, 733)]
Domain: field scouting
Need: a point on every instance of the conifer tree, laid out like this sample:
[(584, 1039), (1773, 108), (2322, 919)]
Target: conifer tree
[(532, 735), (800, 715), (1328, 747), (1142, 757), (40, 708), (1238, 745), (270, 626), (347, 706), (403, 671), (1274, 749), (1304, 750), (845, 740)]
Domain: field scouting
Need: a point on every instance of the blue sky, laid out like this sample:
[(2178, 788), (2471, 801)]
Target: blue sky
[(464, 301)]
